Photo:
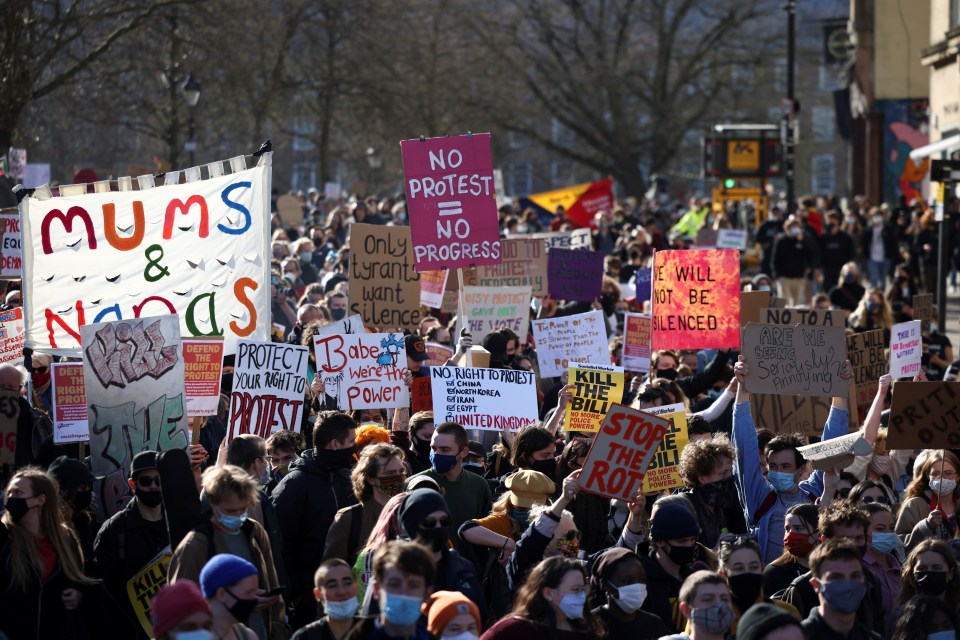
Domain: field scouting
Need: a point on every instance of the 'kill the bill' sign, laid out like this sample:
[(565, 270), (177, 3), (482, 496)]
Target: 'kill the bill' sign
[(451, 202)]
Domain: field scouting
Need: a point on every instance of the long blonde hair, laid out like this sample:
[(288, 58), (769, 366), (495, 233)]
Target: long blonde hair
[(25, 561)]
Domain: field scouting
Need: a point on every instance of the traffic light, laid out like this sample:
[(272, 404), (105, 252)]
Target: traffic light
[(729, 183)]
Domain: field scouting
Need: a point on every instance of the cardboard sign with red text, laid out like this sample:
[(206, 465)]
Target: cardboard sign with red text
[(621, 452), (636, 342), (269, 383), (362, 371), (451, 201), (432, 286), (69, 398), (905, 349), (696, 299)]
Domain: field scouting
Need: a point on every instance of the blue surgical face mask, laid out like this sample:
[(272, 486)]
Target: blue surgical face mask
[(442, 462), (231, 523), (782, 482), (197, 634), (844, 596), (572, 605), (522, 516), (884, 542), (402, 611), (342, 610), (947, 634)]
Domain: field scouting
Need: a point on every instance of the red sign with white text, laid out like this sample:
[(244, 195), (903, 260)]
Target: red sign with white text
[(451, 202)]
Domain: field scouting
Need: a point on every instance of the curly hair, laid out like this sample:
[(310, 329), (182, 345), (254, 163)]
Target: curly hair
[(701, 458), (842, 513), (371, 458), (786, 442)]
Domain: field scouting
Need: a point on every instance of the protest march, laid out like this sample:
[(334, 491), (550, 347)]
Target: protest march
[(434, 412)]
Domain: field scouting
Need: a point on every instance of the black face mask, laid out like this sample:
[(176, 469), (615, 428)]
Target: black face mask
[(608, 303), (435, 538), (421, 446), (81, 501), (338, 314), (241, 609), (226, 384), (17, 508), (339, 459), (718, 494), (669, 374), (151, 499), (931, 583), (546, 467), (745, 589), (682, 556)]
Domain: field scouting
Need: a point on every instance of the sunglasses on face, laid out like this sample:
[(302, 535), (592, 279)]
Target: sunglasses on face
[(435, 523), (870, 499), (39, 369), (148, 481), (573, 534)]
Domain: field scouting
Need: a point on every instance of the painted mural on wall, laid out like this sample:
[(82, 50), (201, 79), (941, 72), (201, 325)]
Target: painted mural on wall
[(905, 129)]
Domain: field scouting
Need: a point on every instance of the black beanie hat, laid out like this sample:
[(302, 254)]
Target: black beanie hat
[(761, 619), (672, 522), (69, 473), (417, 506), (606, 563)]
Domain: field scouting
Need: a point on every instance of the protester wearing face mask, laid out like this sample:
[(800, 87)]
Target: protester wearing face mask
[(307, 500), (41, 566), (336, 591), (706, 467), (878, 243), (618, 577), (534, 448), (303, 251), (795, 254), (416, 355), (415, 441), (739, 562), (847, 291), (837, 248), (926, 618), (467, 495), (230, 585), (228, 530), (873, 312), (552, 532), (551, 602), (76, 493), (838, 578), (930, 570), (800, 538), (283, 449), (143, 530), (930, 501), (403, 577), (337, 305), (664, 364), (881, 559), (378, 476), (179, 612), (768, 622), (452, 616), (766, 499), (705, 604)]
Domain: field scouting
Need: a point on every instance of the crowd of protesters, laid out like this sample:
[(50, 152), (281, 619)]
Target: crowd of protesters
[(381, 524)]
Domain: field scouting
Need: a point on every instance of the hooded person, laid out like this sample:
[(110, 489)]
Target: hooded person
[(617, 574), (424, 517), (673, 552), (76, 490)]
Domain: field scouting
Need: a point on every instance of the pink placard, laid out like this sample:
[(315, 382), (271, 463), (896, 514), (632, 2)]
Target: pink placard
[(451, 202)]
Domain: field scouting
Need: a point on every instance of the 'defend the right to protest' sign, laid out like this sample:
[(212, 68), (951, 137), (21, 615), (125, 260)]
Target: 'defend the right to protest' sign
[(485, 399), (451, 201), (906, 349), (696, 299), (622, 451)]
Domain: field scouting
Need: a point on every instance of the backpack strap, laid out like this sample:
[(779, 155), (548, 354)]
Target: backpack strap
[(765, 507)]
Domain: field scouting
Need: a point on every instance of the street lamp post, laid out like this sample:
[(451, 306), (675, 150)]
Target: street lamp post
[(191, 94)]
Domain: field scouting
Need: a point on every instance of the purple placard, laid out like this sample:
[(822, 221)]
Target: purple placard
[(642, 279), (575, 274)]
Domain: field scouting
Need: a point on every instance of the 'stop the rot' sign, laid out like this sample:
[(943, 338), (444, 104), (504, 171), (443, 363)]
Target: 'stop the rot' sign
[(451, 202)]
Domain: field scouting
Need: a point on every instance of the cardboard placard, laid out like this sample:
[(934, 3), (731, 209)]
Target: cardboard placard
[(867, 353), (347, 326), (696, 299), (643, 279), (804, 415), (621, 453), (524, 265), (576, 239), (9, 414), (924, 415), (706, 238), (384, 287), (332, 190), (664, 469), (838, 452), (485, 399), (490, 308), (10, 253), (807, 317), (636, 342), (577, 338), (795, 360), (922, 304), (752, 303), (269, 386), (576, 274), (596, 388), (199, 250), (142, 587), (432, 286), (421, 395), (69, 403), (731, 239), (133, 377), (202, 363), (451, 202), (12, 335), (439, 354), (290, 210), (905, 349), (363, 371)]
